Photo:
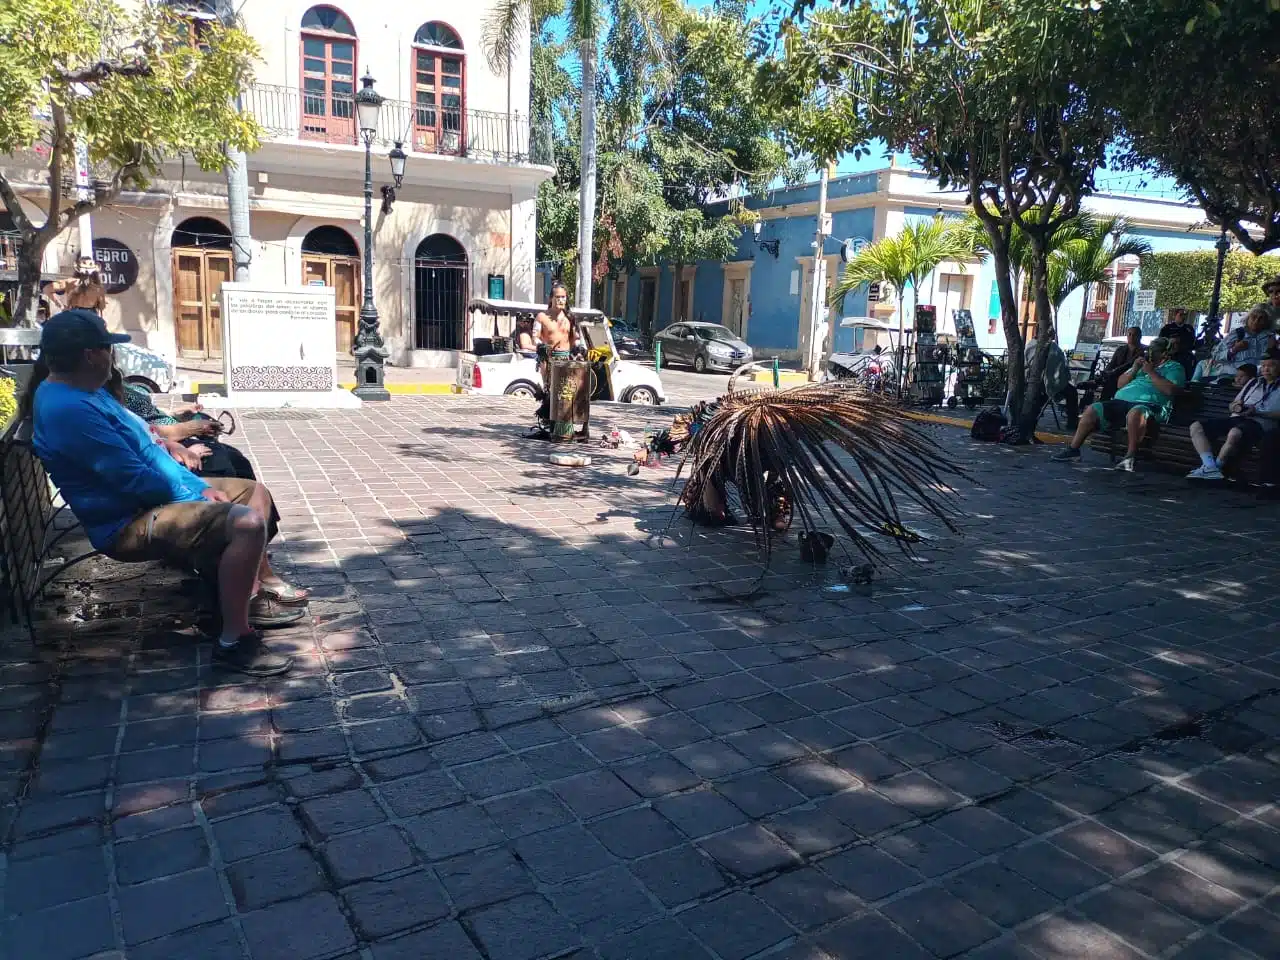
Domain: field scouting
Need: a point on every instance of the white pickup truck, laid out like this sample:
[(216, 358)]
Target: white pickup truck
[(516, 375)]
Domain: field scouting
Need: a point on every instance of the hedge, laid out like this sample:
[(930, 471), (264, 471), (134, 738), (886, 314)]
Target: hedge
[(1186, 279)]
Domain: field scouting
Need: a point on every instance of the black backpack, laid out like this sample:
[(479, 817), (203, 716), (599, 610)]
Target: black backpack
[(987, 425)]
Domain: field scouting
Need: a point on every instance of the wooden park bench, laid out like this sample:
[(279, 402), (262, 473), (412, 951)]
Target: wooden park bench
[(34, 520), (1167, 446)]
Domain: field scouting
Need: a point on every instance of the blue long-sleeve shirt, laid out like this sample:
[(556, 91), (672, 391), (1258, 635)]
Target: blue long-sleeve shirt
[(104, 460)]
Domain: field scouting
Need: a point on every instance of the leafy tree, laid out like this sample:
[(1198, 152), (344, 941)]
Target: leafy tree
[(1185, 278), (504, 34), (983, 95), (904, 260), (1197, 88), (129, 85)]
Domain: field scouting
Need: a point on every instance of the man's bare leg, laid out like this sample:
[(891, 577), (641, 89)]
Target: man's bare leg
[(1136, 422), (237, 570), (260, 501)]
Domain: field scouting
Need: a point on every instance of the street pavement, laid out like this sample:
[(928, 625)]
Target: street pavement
[(535, 716)]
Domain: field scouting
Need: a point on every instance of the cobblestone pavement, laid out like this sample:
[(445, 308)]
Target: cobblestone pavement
[(529, 721)]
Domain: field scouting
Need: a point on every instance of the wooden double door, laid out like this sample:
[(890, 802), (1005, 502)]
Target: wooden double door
[(343, 274), (198, 275)]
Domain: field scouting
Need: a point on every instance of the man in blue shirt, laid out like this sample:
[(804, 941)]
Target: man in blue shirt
[(136, 503)]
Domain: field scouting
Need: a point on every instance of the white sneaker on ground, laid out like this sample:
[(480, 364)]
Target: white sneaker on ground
[(1203, 472), (1127, 465)]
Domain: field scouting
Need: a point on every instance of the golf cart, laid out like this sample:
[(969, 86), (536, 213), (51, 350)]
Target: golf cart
[(495, 368), (864, 364)]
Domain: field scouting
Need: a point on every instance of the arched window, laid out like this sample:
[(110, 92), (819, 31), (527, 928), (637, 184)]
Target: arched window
[(440, 285), (328, 76), (330, 241), (203, 232), (439, 90)]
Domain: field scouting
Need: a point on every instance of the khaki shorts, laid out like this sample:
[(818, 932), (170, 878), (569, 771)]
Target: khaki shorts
[(185, 534)]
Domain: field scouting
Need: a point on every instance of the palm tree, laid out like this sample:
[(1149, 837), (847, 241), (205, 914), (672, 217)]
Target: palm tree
[(504, 36), (904, 260), (1088, 255)]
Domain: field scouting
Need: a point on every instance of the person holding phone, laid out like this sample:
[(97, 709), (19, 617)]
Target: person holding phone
[(1255, 412)]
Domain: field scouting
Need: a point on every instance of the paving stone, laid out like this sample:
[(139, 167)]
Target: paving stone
[(808, 899), (249, 834), (420, 794), (169, 904), (760, 794), (981, 829), (1053, 870), (1185, 893), (529, 812), (42, 882), (446, 939), (593, 794), (999, 894), (1059, 937), (735, 926), (479, 879), (658, 776), (216, 941), (699, 813), (635, 833), (928, 850), (662, 938), (712, 759), (281, 875), (678, 876), (867, 763), (811, 832), (866, 811), (521, 929), (562, 854), (494, 776), (1138, 920), (341, 812), (870, 873), (556, 761), (940, 922), (367, 853), (454, 830), (64, 932), (1102, 848), (921, 795), (301, 929), (749, 851), (384, 907), (869, 935), (604, 904)]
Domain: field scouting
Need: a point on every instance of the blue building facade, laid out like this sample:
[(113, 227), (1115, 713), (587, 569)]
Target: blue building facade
[(765, 297)]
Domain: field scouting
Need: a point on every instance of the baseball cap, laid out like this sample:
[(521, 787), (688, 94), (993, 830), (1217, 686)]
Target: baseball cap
[(77, 329)]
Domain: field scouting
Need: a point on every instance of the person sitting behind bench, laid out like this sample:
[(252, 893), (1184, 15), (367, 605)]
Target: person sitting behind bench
[(1146, 390), (1254, 413), (1246, 344), (136, 503), (1121, 360)]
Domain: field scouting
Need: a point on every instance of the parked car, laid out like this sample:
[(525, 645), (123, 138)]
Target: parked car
[(144, 367), (703, 346), (516, 375), (628, 341)]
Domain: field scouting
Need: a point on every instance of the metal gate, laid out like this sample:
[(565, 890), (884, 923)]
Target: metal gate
[(440, 304)]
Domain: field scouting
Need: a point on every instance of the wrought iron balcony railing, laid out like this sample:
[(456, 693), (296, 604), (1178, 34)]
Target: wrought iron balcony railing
[(288, 113)]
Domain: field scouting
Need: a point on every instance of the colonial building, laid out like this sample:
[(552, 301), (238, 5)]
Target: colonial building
[(462, 223), (762, 293)]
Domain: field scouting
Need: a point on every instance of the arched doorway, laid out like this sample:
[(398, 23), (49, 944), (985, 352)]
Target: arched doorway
[(330, 258), (440, 285), (201, 263)]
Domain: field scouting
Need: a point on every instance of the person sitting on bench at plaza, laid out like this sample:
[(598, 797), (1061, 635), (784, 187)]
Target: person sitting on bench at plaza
[(1146, 391), (1255, 412), (1181, 334), (1120, 362), (137, 504), (1245, 344), (1056, 377)]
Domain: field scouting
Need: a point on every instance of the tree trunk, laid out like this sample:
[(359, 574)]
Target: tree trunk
[(587, 186), (1009, 320), (1034, 396), (30, 259), (677, 269)]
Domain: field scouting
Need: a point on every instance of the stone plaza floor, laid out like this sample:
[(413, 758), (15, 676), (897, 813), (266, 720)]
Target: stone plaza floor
[(532, 717)]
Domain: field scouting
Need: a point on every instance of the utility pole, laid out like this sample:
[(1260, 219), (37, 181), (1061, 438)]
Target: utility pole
[(237, 185), (84, 191), (818, 299)]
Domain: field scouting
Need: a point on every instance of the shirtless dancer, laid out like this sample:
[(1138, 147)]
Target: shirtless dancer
[(557, 336)]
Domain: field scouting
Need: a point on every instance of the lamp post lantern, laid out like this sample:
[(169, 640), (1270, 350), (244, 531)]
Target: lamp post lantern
[(1214, 324), (369, 349)]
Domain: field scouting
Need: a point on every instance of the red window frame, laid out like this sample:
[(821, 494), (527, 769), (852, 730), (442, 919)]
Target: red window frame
[(431, 121), (337, 122)]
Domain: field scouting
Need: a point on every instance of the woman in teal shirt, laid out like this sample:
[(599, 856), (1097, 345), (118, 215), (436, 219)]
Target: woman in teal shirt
[(1146, 391)]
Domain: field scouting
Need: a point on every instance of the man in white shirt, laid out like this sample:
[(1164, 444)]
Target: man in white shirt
[(1255, 412)]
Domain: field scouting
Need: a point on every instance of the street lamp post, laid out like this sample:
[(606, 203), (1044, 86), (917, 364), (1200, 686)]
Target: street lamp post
[(369, 349), (1214, 323)]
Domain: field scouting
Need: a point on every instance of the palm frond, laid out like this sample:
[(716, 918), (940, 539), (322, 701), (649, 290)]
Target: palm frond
[(840, 454), (504, 30)]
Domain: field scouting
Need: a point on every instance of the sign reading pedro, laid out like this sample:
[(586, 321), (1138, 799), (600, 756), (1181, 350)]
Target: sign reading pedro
[(117, 265)]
